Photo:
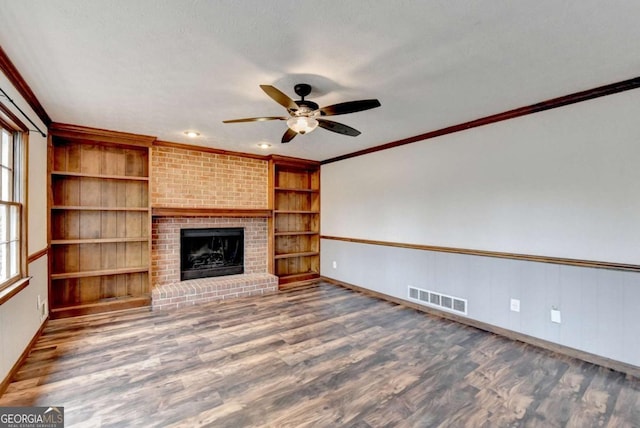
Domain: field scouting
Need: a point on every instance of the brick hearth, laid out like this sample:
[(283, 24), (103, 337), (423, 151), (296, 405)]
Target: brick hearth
[(194, 291)]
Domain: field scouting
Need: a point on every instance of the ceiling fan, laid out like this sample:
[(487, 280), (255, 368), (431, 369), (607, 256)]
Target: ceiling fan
[(305, 116)]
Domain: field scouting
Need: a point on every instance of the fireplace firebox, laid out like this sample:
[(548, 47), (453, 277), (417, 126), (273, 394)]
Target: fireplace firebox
[(211, 252)]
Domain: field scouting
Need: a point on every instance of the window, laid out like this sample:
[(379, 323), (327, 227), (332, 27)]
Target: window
[(12, 172)]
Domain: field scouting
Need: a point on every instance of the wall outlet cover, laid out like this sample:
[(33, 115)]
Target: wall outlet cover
[(555, 316), (515, 305), (335, 264)]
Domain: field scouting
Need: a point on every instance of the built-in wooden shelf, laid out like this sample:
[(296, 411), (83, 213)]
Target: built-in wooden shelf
[(100, 221), (295, 226), (209, 212), (85, 208), (96, 240), (103, 272), (100, 176)]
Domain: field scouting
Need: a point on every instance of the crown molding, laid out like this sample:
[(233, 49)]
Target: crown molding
[(22, 87), (562, 101), (99, 135)]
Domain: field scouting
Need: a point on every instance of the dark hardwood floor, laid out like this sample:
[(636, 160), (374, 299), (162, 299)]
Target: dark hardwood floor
[(318, 355)]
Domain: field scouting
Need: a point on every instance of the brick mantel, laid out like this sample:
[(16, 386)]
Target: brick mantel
[(209, 212)]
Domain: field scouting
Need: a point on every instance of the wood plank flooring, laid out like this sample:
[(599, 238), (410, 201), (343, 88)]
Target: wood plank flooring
[(314, 356)]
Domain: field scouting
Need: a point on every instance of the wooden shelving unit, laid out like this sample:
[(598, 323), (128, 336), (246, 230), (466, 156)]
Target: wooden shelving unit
[(100, 222), (296, 219)]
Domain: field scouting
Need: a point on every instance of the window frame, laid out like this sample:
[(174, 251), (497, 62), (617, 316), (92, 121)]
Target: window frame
[(18, 199)]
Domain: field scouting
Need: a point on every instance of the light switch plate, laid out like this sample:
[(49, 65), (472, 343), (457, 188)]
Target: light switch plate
[(555, 316), (515, 305)]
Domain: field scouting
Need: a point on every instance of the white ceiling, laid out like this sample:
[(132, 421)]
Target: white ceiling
[(160, 67)]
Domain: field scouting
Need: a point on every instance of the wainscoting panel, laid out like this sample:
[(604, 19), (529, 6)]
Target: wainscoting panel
[(599, 307)]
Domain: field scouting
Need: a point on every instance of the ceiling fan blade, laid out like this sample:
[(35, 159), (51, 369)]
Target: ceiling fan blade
[(280, 97), (289, 135), (349, 107), (340, 128), (255, 119)]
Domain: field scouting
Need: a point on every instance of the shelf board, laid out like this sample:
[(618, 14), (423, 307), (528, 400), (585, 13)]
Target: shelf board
[(85, 208), (96, 240), (291, 189), (306, 232), (101, 176), (105, 272), (295, 277), (295, 212), (292, 255), (106, 305)]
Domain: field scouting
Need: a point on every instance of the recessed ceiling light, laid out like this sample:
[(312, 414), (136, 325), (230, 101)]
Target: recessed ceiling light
[(264, 145), (192, 134)]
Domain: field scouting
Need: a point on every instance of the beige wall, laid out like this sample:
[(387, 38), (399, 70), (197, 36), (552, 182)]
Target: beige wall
[(20, 317)]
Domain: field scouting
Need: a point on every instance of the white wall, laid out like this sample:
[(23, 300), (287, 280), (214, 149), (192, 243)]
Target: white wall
[(560, 183), (20, 317)]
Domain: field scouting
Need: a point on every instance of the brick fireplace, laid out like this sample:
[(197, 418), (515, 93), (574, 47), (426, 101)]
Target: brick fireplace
[(200, 180)]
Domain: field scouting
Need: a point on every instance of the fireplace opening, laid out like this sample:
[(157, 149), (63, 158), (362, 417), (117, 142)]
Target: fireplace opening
[(211, 252)]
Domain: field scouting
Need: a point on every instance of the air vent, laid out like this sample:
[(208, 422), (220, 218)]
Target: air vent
[(438, 300), (413, 293)]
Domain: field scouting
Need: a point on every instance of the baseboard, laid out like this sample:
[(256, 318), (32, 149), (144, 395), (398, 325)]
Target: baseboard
[(14, 370), (627, 369)]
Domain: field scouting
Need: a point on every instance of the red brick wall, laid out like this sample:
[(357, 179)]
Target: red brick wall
[(165, 246), (197, 179)]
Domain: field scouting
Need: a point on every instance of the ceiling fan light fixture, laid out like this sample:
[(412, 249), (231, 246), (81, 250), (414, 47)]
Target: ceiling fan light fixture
[(302, 124)]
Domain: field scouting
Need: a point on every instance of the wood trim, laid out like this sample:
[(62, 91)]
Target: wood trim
[(576, 97), (271, 224), (8, 292), (35, 256), (211, 150), (497, 254), (209, 212), (13, 118), (77, 132), (295, 162), (14, 370), (22, 87), (541, 343)]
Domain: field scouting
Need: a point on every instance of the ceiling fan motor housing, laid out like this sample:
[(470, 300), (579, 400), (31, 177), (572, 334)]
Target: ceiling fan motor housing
[(302, 89)]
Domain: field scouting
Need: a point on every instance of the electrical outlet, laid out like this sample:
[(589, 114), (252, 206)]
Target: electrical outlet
[(515, 305), (335, 264), (555, 315)]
